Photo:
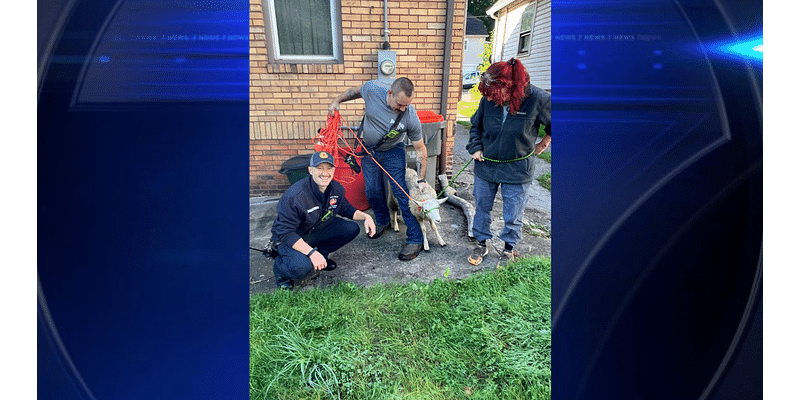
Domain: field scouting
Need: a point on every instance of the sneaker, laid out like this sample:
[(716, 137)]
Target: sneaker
[(410, 251), (379, 231), (478, 253), (331, 265), (285, 285), (509, 255)]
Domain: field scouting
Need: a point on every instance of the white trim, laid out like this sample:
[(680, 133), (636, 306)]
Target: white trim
[(276, 39), (497, 7)]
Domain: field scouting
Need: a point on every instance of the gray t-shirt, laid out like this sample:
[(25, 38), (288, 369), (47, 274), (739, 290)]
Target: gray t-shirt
[(379, 117)]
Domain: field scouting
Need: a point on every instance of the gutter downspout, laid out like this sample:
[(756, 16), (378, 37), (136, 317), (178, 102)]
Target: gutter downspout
[(448, 45), (386, 25), (491, 13)]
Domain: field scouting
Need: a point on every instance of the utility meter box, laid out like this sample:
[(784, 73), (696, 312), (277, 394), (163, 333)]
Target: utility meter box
[(387, 64)]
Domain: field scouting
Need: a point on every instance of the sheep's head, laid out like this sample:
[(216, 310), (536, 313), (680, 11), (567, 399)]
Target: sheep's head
[(430, 208)]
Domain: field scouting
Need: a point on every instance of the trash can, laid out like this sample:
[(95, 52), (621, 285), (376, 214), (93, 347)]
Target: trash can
[(432, 133), (296, 168)]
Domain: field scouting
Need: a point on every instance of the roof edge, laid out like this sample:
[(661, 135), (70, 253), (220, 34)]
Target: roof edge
[(497, 6)]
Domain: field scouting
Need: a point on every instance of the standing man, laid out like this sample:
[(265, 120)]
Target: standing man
[(307, 228), (503, 140), (388, 118)]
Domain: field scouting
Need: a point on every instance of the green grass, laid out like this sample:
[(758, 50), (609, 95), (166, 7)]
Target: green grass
[(544, 180), (545, 156), (537, 230), (486, 337)]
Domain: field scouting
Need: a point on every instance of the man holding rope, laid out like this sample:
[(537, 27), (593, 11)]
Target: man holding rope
[(502, 140), (388, 118)]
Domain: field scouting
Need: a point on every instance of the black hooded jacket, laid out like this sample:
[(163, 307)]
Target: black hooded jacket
[(510, 139)]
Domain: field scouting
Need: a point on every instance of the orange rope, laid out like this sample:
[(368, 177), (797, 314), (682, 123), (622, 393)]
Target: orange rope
[(327, 140), (377, 163)]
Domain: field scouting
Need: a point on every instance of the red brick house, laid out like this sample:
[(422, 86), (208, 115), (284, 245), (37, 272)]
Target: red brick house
[(304, 53)]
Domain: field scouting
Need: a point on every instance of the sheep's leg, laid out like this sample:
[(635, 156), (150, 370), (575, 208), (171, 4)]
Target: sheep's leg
[(438, 236), (424, 236), (395, 226)]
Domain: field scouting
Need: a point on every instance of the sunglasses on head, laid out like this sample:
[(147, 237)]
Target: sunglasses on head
[(486, 79)]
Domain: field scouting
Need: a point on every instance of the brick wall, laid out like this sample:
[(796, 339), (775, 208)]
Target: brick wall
[(289, 102)]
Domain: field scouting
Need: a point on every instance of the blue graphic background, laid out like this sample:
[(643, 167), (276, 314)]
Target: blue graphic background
[(657, 210), (142, 199)]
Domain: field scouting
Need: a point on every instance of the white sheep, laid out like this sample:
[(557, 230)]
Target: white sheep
[(423, 204)]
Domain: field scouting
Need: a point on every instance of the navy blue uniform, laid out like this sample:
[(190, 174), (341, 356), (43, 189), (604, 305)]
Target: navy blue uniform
[(305, 212)]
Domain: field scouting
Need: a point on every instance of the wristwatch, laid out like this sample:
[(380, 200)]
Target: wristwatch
[(313, 249)]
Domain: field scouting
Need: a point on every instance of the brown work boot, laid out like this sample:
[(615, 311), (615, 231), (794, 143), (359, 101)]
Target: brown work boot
[(410, 251)]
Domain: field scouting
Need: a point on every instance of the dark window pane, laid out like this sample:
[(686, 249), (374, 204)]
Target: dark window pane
[(304, 27)]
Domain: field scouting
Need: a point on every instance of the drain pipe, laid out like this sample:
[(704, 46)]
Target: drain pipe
[(386, 45), (448, 45)]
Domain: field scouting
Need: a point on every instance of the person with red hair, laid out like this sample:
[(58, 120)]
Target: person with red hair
[(502, 141)]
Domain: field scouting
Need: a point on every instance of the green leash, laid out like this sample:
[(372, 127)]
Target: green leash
[(487, 159), (516, 159)]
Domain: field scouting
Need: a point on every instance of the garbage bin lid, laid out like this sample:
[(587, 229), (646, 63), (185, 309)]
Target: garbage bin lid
[(297, 162), (426, 116)]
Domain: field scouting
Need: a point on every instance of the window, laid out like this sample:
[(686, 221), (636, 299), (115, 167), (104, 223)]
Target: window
[(526, 28), (303, 31)]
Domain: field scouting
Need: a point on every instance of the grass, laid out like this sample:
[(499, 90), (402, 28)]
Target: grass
[(486, 337), (537, 230), (544, 180), (545, 156)]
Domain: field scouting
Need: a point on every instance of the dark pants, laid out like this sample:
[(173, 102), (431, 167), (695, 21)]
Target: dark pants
[(394, 161), (327, 238)]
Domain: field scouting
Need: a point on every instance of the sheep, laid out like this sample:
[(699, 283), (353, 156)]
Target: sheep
[(423, 204)]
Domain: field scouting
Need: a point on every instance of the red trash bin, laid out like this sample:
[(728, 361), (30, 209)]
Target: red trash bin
[(353, 183)]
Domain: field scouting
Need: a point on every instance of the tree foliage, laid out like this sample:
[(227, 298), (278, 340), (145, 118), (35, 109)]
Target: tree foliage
[(478, 9)]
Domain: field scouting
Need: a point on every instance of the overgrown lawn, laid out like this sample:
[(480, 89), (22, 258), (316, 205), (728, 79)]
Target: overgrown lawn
[(486, 337)]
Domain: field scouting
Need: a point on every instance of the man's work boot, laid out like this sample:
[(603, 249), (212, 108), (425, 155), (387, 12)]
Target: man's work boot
[(410, 251)]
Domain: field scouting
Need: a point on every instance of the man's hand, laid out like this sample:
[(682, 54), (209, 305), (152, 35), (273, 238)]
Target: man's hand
[(318, 261), (333, 108), (478, 156), (369, 225), (349, 94)]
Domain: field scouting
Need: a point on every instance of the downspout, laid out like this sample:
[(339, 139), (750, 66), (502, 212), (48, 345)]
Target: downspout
[(386, 25), (448, 45), (494, 35)]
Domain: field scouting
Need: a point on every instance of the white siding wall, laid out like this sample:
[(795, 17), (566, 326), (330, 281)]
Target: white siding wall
[(537, 61), (472, 54)]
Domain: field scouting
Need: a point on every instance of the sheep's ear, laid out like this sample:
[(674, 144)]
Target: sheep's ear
[(441, 201)]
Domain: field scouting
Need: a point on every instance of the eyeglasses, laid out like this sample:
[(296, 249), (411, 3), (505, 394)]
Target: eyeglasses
[(486, 79)]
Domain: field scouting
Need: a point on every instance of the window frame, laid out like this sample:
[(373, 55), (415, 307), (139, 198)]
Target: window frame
[(273, 45), (527, 34)]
